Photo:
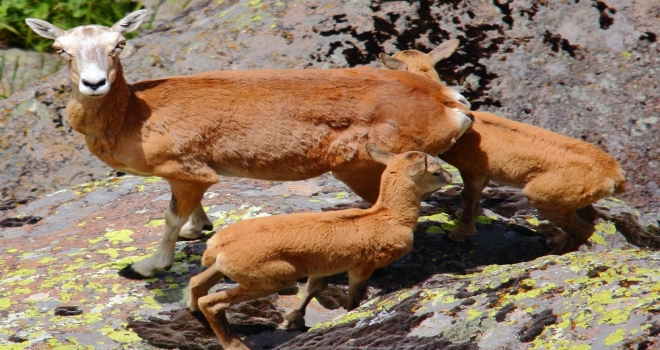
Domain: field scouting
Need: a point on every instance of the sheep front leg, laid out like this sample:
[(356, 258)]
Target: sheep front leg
[(185, 198), (197, 223), (365, 183), (200, 285), (472, 187), (295, 319), (357, 287)]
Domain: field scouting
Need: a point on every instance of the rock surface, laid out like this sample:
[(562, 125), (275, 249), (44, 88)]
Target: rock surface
[(587, 69), (583, 68), (60, 256)]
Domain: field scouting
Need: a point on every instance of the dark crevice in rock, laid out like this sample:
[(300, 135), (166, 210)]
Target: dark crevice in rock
[(635, 233), (500, 316), (595, 272), (531, 12), (605, 20), (648, 36), (425, 25), (505, 9), (643, 345), (556, 43), (181, 329), (377, 332), (535, 327), (475, 46), (512, 285), (13, 203), (67, 311), (15, 338), (354, 54), (19, 221)]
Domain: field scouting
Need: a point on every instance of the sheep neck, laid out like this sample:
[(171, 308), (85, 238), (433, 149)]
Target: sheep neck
[(400, 196), (99, 117)]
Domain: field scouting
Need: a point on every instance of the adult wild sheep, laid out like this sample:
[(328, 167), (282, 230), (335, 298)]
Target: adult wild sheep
[(262, 124), (561, 176), (264, 255)]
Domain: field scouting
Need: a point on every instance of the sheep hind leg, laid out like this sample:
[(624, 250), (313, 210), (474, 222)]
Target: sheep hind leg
[(197, 223), (213, 307), (588, 214), (576, 231), (357, 287), (295, 319)]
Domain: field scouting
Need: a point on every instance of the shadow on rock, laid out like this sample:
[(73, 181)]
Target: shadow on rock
[(181, 329)]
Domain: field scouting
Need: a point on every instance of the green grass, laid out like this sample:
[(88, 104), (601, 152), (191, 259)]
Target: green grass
[(62, 13), (18, 71)]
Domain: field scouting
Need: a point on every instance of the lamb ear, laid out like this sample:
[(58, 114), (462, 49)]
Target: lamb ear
[(130, 22), (443, 51), (378, 154), (392, 63), (45, 29), (418, 167)]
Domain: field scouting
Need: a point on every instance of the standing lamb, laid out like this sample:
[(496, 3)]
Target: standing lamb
[(262, 124), (264, 255), (561, 176)]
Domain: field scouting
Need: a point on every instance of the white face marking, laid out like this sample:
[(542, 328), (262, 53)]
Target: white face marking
[(91, 47)]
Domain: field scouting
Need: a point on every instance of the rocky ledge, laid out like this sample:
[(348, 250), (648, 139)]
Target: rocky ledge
[(61, 253)]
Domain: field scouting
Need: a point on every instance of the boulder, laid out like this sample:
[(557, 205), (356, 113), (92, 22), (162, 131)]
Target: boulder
[(61, 254)]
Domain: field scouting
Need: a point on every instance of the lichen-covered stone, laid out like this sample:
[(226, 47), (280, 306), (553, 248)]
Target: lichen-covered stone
[(553, 303), (460, 294)]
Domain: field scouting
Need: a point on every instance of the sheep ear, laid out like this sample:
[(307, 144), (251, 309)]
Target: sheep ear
[(45, 29), (130, 22), (418, 167), (392, 63), (378, 154), (443, 51)]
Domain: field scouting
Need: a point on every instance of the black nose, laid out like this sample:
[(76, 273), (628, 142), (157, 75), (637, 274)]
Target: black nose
[(95, 85)]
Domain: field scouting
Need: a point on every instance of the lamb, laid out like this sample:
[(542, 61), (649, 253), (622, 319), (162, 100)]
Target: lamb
[(262, 124), (561, 176), (264, 255)]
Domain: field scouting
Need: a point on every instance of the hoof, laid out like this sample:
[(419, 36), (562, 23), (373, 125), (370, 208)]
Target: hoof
[(167, 268), (207, 227), (294, 320), (128, 272), (200, 317), (559, 245), (456, 237), (187, 239)]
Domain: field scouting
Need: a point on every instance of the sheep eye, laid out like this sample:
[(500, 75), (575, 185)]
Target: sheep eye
[(118, 48), (58, 50)]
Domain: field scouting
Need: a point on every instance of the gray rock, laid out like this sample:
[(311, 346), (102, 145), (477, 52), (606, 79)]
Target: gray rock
[(581, 68)]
